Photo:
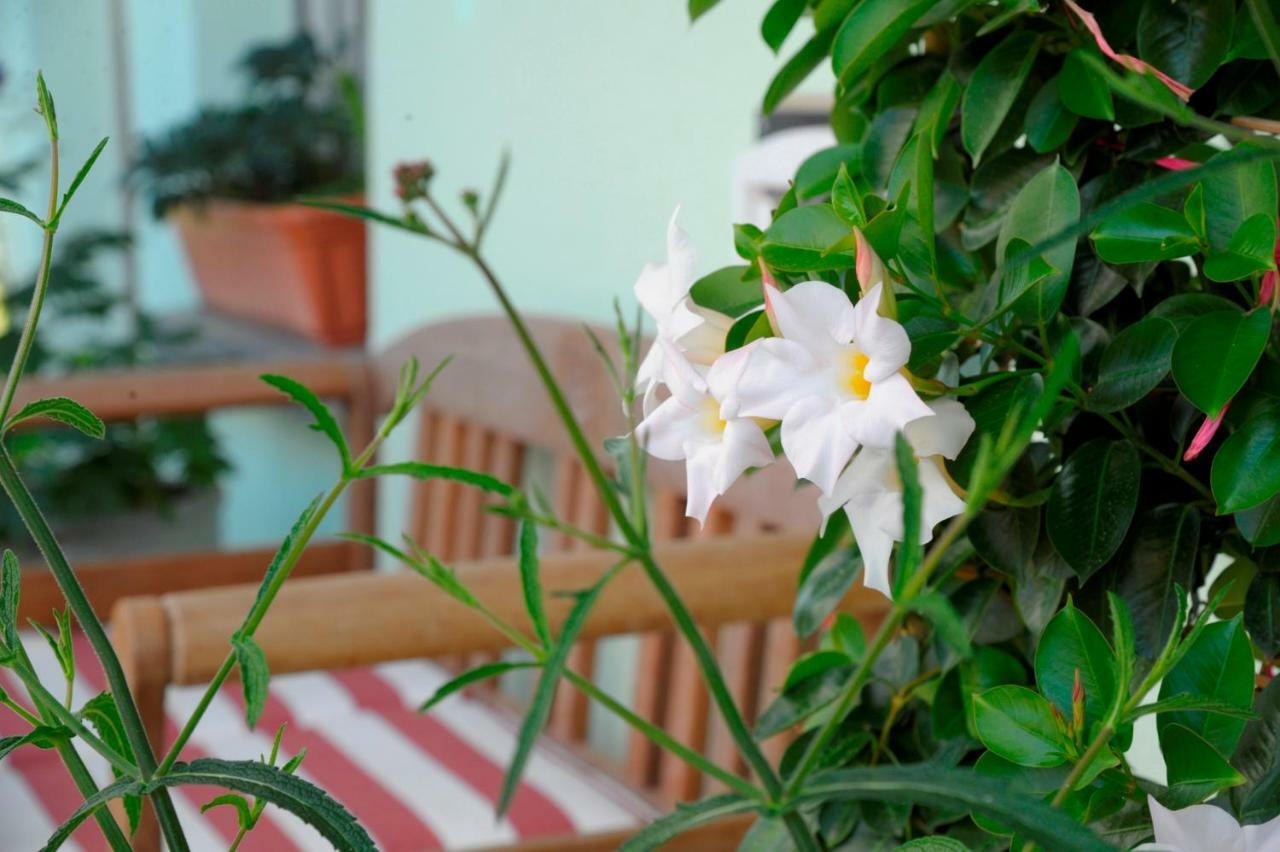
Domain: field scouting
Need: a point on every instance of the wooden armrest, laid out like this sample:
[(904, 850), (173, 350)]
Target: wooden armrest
[(361, 619), (128, 394)]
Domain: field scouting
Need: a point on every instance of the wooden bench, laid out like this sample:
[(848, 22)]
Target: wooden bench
[(487, 412)]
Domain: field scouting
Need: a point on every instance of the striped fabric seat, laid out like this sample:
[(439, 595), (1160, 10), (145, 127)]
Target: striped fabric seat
[(415, 782)]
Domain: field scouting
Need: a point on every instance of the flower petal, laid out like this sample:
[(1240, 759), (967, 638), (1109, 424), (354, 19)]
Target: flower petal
[(940, 502), (683, 379), (812, 313), (816, 441), (888, 408), (1195, 828), (745, 446), (874, 544), (700, 489), (778, 374), (943, 434), (882, 340), (671, 430), (1264, 837), (704, 343)]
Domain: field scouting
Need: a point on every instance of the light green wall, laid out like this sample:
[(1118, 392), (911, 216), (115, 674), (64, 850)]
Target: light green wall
[(614, 112)]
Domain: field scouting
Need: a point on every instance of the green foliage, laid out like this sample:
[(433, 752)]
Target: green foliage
[(293, 134)]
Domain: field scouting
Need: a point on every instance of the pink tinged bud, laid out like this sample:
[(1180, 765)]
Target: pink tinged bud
[(1133, 63), (770, 286), (1267, 292), (869, 268), (1205, 434), (1176, 164)]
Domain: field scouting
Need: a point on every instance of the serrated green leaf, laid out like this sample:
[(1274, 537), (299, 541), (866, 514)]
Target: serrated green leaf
[(255, 677), (77, 180), (62, 410), (286, 545), (325, 422), (8, 205)]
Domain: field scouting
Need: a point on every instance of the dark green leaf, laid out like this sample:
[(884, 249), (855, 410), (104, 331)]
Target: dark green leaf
[(823, 587), (940, 843), (1144, 232), (846, 200), (780, 20), (1082, 90), (870, 31), (356, 211), (1250, 251), (1265, 29), (101, 712), (288, 792), (1137, 360), (802, 700), (1260, 525), (956, 790), (1192, 702), (10, 206), (286, 545), (882, 149), (41, 737), (798, 239), (530, 583), (1195, 768), (477, 674), (993, 88), (727, 291), (816, 175), (939, 612), (1071, 643), (1019, 725), (1234, 195), (1185, 308), (698, 8), (254, 676), (1217, 666), (1092, 503), (1048, 123), (685, 817), (796, 69), (244, 811), (1258, 758), (540, 706), (1188, 39), (910, 551), (62, 410), (1262, 612), (424, 471), (1047, 204), (1246, 469), (10, 595), (1156, 568), (325, 423)]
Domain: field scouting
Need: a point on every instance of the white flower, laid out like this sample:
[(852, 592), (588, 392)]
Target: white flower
[(687, 425), (1205, 828), (832, 378), (870, 491), (663, 291)]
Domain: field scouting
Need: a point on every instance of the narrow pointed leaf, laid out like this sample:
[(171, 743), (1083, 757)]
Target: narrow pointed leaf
[(62, 410), (686, 816), (325, 422), (10, 206), (254, 677), (530, 582), (476, 675), (425, 471)]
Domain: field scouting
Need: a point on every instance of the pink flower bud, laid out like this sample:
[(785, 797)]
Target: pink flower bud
[(1205, 434), (1133, 63)]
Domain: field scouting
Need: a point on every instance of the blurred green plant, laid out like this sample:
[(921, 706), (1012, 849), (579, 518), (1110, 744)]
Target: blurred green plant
[(298, 131)]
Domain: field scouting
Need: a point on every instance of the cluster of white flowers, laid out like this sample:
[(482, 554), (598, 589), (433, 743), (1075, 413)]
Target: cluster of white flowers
[(833, 376)]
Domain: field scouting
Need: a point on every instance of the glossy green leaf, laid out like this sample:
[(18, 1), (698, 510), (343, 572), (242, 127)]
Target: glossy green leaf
[(1046, 205), (956, 789), (1144, 232), (1137, 360), (780, 20), (254, 676), (1006, 538), (686, 816), (1185, 308), (910, 550), (993, 88), (1246, 468), (1258, 759), (1262, 612), (816, 175), (45, 736), (479, 673), (289, 792), (1072, 643), (1194, 767), (1250, 251), (1234, 195), (801, 701), (1155, 569), (1048, 123), (725, 291), (62, 410), (1188, 39), (870, 31), (946, 622), (940, 843), (882, 148), (796, 69), (798, 239), (1260, 525), (1218, 666), (1215, 355), (1018, 724), (1092, 503), (823, 587), (847, 201), (1082, 90), (325, 422)]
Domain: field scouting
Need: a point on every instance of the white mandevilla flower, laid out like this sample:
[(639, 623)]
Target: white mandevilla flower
[(870, 490), (1205, 828), (687, 426), (833, 378), (698, 333)]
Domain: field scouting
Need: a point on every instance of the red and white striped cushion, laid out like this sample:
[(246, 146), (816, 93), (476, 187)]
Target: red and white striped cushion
[(415, 782)]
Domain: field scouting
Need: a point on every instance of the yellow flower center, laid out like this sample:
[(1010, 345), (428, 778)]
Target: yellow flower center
[(711, 420), (854, 380)]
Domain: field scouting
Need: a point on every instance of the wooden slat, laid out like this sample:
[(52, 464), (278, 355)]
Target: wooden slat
[(155, 392), (106, 583), (360, 618), (144, 653)]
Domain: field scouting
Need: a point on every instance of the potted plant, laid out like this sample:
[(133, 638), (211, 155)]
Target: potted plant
[(223, 178), (149, 487)]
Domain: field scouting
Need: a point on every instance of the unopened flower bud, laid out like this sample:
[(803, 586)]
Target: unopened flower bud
[(412, 180)]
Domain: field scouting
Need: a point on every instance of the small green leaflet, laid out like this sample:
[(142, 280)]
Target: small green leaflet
[(254, 675), (325, 423), (62, 410)]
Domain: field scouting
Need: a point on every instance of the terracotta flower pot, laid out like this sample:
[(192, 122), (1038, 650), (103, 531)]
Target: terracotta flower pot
[(284, 265)]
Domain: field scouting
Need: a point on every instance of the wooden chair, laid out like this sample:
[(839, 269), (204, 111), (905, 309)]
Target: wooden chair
[(488, 412)]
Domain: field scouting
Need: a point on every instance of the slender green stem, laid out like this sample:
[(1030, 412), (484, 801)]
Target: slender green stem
[(1082, 765), (84, 613), (31, 719), (37, 296), (68, 720)]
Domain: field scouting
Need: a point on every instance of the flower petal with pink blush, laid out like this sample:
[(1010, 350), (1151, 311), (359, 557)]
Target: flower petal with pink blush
[(869, 268), (816, 441), (883, 340)]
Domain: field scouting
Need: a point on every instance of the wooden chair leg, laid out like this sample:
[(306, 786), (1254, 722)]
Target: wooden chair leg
[(140, 632)]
